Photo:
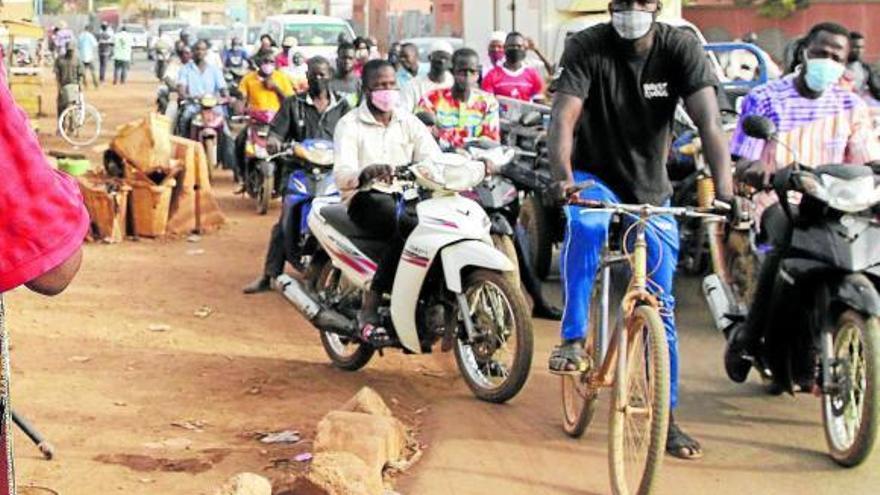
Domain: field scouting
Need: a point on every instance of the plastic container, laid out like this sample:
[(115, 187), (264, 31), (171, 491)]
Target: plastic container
[(73, 166)]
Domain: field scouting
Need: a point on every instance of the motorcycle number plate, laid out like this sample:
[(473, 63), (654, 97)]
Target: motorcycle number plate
[(410, 194)]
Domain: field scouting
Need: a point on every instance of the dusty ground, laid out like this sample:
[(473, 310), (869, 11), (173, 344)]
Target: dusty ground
[(105, 389)]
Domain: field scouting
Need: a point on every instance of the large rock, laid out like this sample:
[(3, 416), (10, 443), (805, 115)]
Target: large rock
[(338, 473), (245, 484), (377, 440), (367, 401)]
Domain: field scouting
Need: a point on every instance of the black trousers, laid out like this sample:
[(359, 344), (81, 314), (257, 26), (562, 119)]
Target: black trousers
[(275, 257), (775, 228), (377, 212), (103, 63)]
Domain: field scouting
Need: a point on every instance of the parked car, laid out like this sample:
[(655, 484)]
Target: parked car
[(138, 36), (316, 34)]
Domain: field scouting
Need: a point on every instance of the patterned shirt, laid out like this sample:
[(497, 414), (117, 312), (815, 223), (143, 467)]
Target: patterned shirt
[(458, 121), (834, 128)]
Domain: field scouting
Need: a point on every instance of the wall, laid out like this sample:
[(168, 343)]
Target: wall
[(720, 23), (447, 18)]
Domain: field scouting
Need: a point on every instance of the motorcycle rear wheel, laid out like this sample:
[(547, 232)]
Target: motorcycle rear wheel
[(211, 154), (501, 318), (850, 416), (533, 216), (264, 195), (344, 353)]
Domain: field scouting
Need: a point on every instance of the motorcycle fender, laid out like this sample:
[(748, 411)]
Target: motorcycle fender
[(471, 253), (857, 292), (500, 225)]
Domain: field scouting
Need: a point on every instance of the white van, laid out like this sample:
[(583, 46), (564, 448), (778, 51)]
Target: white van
[(316, 34)]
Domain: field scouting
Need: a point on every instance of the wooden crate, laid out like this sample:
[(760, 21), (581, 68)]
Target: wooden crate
[(150, 204), (107, 203)]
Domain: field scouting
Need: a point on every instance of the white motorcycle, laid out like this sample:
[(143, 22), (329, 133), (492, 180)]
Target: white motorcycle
[(450, 285)]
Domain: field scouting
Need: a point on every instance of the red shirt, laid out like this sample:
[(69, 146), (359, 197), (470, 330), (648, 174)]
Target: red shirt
[(524, 84), (42, 217)]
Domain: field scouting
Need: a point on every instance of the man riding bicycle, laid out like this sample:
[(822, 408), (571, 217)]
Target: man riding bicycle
[(616, 93)]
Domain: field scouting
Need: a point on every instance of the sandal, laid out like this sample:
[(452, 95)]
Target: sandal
[(569, 358), (375, 336), (680, 444)]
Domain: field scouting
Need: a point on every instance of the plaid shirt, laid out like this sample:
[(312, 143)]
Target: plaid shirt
[(458, 121), (834, 128)]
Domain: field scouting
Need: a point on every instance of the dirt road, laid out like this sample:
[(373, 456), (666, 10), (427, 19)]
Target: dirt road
[(107, 390)]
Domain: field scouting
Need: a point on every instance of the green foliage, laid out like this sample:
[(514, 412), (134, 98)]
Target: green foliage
[(774, 9)]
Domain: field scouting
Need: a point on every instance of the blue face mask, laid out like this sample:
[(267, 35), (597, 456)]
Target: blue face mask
[(822, 73)]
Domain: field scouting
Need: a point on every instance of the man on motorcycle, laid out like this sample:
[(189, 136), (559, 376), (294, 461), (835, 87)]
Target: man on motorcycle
[(236, 57), (368, 143), (169, 79), (465, 112), (616, 91), (262, 92), (345, 81), (196, 79), (819, 121), (313, 115)]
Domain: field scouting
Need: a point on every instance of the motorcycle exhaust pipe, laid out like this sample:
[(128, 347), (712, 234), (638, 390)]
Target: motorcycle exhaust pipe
[(305, 302), (722, 304)]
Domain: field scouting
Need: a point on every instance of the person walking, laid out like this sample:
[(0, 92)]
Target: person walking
[(69, 73), (88, 51), (121, 56), (105, 49)]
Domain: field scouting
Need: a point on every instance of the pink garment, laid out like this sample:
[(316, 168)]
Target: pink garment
[(42, 217), (524, 84)]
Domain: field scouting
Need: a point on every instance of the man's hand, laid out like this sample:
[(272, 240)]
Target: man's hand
[(530, 44), (274, 144), (559, 192), (269, 84), (374, 173)]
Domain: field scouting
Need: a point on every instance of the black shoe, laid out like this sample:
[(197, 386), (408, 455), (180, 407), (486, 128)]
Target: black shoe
[(737, 359), (262, 284), (547, 312)]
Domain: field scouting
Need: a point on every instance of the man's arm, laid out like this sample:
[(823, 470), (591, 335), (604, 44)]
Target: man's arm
[(702, 108), (873, 82), (346, 171), (282, 124), (57, 279), (560, 141), (547, 64)]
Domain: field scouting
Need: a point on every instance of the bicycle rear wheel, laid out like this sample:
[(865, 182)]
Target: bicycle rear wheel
[(80, 125), (639, 415)]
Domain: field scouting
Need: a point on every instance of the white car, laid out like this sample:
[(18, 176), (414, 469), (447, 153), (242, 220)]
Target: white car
[(315, 34), (138, 36)]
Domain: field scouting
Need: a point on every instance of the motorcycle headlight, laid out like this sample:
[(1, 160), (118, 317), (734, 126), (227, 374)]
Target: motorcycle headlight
[(851, 196)]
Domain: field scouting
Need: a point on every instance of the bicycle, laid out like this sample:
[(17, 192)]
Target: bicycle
[(80, 123), (639, 377)]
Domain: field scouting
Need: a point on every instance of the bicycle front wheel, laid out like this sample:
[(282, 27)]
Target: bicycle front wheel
[(80, 125), (640, 406)]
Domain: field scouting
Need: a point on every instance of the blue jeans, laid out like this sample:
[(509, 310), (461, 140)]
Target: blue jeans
[(585, 236)]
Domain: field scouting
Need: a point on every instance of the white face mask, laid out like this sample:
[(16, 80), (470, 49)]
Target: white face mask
[(632, 24)]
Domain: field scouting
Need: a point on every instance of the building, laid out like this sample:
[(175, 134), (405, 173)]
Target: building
[(723, 20)]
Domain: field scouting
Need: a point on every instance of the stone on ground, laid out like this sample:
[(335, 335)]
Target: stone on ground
[(338, 473), (245, 484), (377, 440), (367, 401)]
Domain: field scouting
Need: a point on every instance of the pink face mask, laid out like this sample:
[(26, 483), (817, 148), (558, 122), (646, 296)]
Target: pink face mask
[(496, 56), (385, 100)]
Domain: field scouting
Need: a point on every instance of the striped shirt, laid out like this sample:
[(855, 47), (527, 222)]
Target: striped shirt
[(458, 121), (834, 128)]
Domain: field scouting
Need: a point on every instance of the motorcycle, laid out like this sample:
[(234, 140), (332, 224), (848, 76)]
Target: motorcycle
[(450, 286), (259, 167), (207, 127), (825, 318)]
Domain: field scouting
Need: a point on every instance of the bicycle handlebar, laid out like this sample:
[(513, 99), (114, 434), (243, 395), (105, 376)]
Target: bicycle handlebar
[(646, 210)]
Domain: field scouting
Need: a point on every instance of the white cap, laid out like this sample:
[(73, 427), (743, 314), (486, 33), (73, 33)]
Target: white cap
[(498, 36), (441, 46)]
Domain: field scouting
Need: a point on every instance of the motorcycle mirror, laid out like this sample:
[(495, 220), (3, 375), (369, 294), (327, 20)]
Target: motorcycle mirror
[(427, 118), (531, 118), (759, 127)]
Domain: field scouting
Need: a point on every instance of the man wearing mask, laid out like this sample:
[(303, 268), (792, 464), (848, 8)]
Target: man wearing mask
[(368, 144), (262, 90), (394, 55), (513, 78), (606, 73), (495, 52), (465, 112), (860, 75), (87, 45), (438, 77), (297, 72), (313, 115), (172, 71), (69, 73), (288, 47), (235, 57), (122, 48), (345, 82), (822, 123), (409, 64), (105, 49), (361, 54)]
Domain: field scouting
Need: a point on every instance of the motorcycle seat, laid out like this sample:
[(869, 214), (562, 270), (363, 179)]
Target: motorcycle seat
[(370, 243), (844, 172)]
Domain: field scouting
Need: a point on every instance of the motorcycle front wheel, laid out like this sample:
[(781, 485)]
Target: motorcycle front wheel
[(264, 194), (850, 414), (211, 154), (345, 353), (495, 364)]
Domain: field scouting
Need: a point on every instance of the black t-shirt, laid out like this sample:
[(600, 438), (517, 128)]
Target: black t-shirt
[(299, 119), (624, 133)]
